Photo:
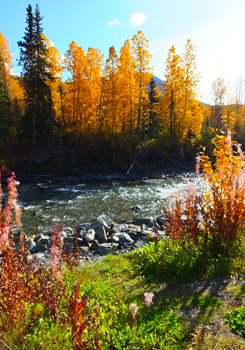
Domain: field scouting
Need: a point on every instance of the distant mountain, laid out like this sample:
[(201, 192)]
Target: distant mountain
[(158, 80)]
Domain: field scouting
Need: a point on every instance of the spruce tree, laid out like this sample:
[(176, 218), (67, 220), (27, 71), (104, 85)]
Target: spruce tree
[(154, 97), (4, 104), (38, 119)]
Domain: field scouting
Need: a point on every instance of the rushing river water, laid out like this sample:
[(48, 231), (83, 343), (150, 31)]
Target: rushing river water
[(63, 202)]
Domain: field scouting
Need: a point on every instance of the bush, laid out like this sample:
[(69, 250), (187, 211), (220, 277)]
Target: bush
[(212, 214)]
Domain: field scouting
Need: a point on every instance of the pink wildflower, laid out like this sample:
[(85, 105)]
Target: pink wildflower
[(148, 298), (198, 159), (133, 309), (56, 250)]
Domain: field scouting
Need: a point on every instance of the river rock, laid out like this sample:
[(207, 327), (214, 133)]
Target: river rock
[(125, 241), (132, 227), (30, 243), (94, 245), (144, 233), (122, 221), (106, 248), (81, 228), (68, 240), (97, 224), (41, 248), (115, 237), (100, 235), (42, 240), (67, 232), (140, 243), (33, 249), (146, 221), (136, 208), (89, 236), (133, 235)]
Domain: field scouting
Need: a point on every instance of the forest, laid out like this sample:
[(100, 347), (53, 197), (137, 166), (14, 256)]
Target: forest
[(81, 112)]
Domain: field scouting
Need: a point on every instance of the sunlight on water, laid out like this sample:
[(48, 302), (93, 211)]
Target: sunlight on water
[(83, 202)]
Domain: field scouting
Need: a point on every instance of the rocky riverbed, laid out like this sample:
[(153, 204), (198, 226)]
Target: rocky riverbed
[(98, 238)]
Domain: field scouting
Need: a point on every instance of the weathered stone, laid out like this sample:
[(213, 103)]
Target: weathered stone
[(94, 245), (81, 228), (122, 222), (30, 243), (132, 227), (115, 237), (33, 249), (43, 240), (80, 242), (125, 241), (114, 229), (100, 235), (41, 248), (140, 243), (89, 236), (68, 240), (67, 232), (133, 235), (106, 248), (145, 221), (160, 220), (37, 237), (136, 208), (144, 233), (67, 248), (96, 224)]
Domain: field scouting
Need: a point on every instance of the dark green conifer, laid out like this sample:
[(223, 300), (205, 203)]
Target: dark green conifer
[(4, 104), (38, 119)]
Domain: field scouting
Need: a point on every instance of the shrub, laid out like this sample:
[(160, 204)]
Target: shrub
[(236, 320), (212, 214)]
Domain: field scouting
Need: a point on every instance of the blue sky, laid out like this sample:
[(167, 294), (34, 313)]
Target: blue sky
[(216, 27)]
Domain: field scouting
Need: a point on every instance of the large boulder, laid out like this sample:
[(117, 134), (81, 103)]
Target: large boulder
[(146, 221), (97, 224), (89, 236), (100, 235), (106, 248), (42, 240)]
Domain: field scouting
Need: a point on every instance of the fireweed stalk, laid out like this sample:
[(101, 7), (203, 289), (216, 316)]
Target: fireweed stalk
[(56, 250), (11, 206)]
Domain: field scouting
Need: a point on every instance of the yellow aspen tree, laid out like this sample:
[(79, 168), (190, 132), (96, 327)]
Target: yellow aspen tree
[(5, 53), (111, 87), (172, 83), (191, 114), (141, 58), (56, 68), (127, 92), (76, 64), (93, 75), (219, 90), (13, 85)]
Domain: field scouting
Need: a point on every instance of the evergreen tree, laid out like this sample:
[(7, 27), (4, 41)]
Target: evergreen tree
[(39, 116), (154, 97), (4, 103)]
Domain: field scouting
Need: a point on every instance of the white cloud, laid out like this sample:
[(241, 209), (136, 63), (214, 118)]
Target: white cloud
[(114, 22), (137, 18)]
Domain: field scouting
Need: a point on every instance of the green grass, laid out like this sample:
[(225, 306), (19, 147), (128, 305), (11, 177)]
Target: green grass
[(110, 286)]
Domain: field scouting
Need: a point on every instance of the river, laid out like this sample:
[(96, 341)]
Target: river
[(48, 201)]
